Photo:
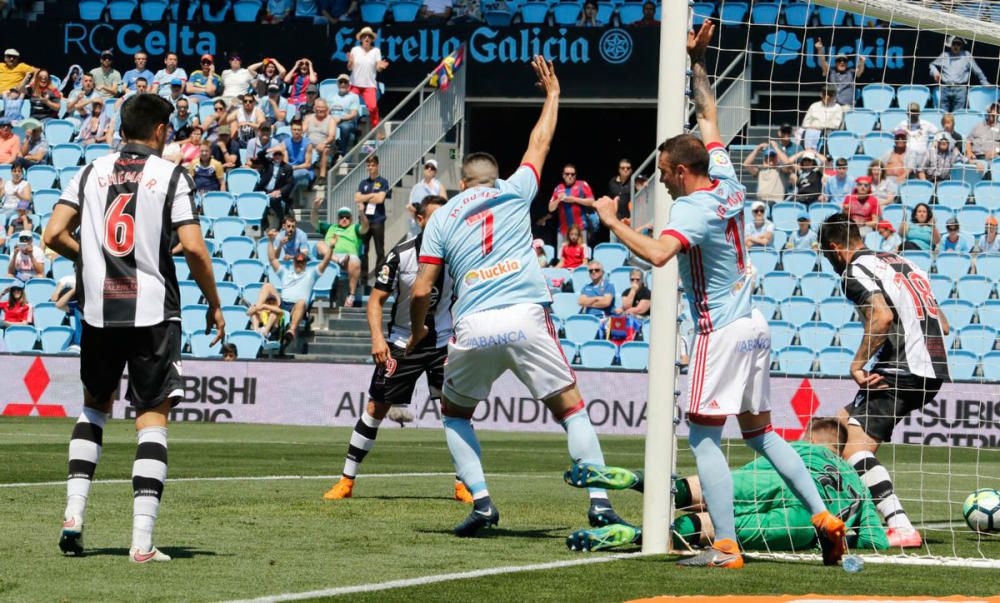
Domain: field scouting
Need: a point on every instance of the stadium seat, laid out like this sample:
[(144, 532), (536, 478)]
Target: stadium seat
[(942, 284), (217, 204), (796, 360), (58, 131), (958, 311), (39, 290), (20, 338), (797, 14), (241, 180), (797, 310), (245, 11), (953, 193), (857, 166), (851, 334), (610, 255), (153, 10), (557, 277), (785, 215), (246, 271), (190, 293), (842, 144), (235, 316), (228, 292), (923, 259), (181, 268), (782, 334), (891, 118), (830, 17), (962, 364), (733, 13), (41, 176), (373, 12), (620, 278), (966, 173), (913, 192), (954, 265), (837, 311), (966, 120), (597, 354), (44, 200), (878, 98), (251, 292), (566, 13), (763, 260), (860, 122), (816, 335), (766, 305), (987, 193), (779, 239), (991, 366), (500, 17), (972, 219), (193, 318), (798, 261), (66, 154), (237, 248), (581, 327), (56, 339), (66, 174), (877, 144), (122, 10), (5, 171), (895, 213), (818, 285), (989, 313), (821, 211), (220, 268), (835, 361), (989, 264), (634, 355), (565, 304), (534, 13), (975, 288), (764, 13), (978, 339), (248, 344), (62, 267), (779, 285), (228, 226), (200, 347), (570, 350), (46, 314), (250, 206), (580, 278), (981, 97), (873, 240), (913, 94), (91, 10)]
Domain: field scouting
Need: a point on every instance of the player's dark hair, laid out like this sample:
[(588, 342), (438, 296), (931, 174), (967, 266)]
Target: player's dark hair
[(839, 228), (142, 113), (570, 165), (428, 201), (480, 169), (686, 150)]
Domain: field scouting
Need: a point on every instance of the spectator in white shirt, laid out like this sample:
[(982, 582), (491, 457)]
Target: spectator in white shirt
[(760, 232), (164, 77), (429, 185), (919, 133), (365, 62), (823, 115), (235, 80)]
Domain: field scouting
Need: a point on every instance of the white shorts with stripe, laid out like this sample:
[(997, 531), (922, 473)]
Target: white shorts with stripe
[(729, 372), (520, 338)]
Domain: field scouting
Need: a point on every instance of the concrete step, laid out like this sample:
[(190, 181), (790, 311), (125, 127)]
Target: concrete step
[(343, 333), (347, 324), (334, 358), (360, 349)]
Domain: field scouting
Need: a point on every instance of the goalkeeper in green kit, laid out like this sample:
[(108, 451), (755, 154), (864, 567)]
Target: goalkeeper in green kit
[(769, 516)]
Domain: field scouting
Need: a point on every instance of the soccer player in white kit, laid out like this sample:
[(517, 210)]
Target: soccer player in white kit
[(729, 371), (501, 315)]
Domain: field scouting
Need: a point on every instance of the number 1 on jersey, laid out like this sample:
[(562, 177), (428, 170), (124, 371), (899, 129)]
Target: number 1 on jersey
[(119, 227), (486, 218), (734, 234)]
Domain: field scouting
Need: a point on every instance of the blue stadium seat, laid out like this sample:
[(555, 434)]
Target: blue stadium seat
[(796, 360), (66, 175), (818, 285), (44, 200), (836, 311), (779, 239), (873, 240), (923, 259), (975, 288), (228, 292), (942, 284), (500, 17), (766, 305), (782, 333), (857, 166), (851, 334), (842, 144), (785, 215), (556, 277), (39, 290), (220, 268), (779, 285), (567, 13), (877, 144), (764, 13), (235, 316), (953, 193), (955, 265), (91, 10), (966, 120), (62, 267), (797, 310), (972, 219), (989, 312), (206, 225), (620, 278), (634, 355), (56, 339), (611, 255), (830, 17), (228, 226), (988, 193), (821, 211), (181, 268), (405, 11), (245, 11), (237, 248), (962, 364), (570, 350), (891, 118), (913, 192), (733, 13), (58, 131), (816, 335), (251, 292), (217, 204), (797, 14), (763, 260), (193, 318), (913, 94), (248, 344), (323, 288), (978, 339), (153, 10), (200, 347), (581, 327), (835, 361), (989, 265), (565, 304), (241, 180), (966, 173), (246, 271), (41, 176), (895, 213), (860, 121), (799, 261), (580, 278), (991, 366), (251, 206), (597, 354), (958, 311), (46, 314), (122, 10), (20, 338), (878, 98), (981, 97), (534, 13), (66, 154), (628, 13), (190, 293)]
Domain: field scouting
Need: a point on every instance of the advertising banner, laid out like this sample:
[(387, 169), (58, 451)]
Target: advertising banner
[(293, 393)]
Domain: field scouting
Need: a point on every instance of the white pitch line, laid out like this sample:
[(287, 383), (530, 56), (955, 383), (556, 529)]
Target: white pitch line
[(393, 584)]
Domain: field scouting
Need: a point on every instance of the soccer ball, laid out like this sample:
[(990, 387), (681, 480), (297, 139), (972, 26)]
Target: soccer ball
[(982, 510)]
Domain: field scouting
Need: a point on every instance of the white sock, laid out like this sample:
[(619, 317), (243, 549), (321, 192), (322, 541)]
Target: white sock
[(84, 454), (362, 441), (875, 476), (149, 472)]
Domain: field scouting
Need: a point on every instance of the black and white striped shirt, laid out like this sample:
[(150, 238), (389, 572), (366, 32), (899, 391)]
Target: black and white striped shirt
[(397, 275), (915, 345), (129, 203)]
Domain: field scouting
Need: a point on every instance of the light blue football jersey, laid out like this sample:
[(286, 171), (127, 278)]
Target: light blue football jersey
[(483, 236), (714, 266)]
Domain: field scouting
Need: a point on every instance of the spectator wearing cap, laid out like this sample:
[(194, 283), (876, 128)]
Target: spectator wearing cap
[(955, 240), (953, 71), (299, 80), (344, 107), (296, 285), (20, 221), (984, 139), (182, 120), (824, 115), (436, 11), (96, 127), (225, 150), (140, 71), (919, 133), (898, 164), (164, 79), (266, 73), (760, 230), (538, 245), (13, 72), (989, 242), (45, 99), (786, 140), (277, 181), (772, 174), (274, 106), (236, 80), (16, 309), (597, 298), (27, 261), (890, 241), (429, 185), (841, 77), (206, 171), (807, 179), (862, 206), (940, 159), (34, 149), (309, 107), (372, 194), (10, 144), (175, 92), (81, 100), (204, 84), (321, 130), (365, 62), (107, 80), (620, 187), (920, 232), (804, 237), (246, 120), (883, 188), (837, 187), (300, 152), (346, 239)]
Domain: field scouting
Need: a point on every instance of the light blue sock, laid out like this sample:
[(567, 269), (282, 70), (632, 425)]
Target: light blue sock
[(465, 454), (790, 467), (716, 481), (584, 447)]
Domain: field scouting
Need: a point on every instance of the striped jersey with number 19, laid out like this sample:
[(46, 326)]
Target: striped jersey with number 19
[(129, 203)]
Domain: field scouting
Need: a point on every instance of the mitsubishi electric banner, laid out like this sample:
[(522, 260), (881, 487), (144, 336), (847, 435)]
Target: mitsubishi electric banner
[(292, 393)]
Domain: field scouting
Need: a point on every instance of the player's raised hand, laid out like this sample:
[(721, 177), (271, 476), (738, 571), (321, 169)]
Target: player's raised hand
[(546, 74), (213, 317), (697, 42), (607, 209)]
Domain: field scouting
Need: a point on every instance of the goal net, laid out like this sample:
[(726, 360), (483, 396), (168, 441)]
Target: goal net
[(813, 97)]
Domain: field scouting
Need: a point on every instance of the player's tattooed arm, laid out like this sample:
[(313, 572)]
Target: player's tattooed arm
[(420, 301), (878, 321), (701, 89)]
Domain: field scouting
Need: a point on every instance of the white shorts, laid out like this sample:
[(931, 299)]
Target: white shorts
[(520, 338), (730, 369)]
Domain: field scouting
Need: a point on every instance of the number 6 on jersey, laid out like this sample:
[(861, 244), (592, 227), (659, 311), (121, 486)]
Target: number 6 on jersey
[(119, 227)]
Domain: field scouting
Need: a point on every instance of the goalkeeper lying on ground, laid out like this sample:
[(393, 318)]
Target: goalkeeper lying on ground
[(769, 517)]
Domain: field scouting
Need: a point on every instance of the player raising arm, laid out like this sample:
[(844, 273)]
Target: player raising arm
[(730, 367), (501, 314), (126, 205)]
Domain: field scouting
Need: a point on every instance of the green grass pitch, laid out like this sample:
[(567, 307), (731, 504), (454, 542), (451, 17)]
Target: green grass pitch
[(244, 538)]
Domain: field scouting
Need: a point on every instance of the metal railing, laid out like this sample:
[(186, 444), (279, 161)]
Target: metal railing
[(399, 144)]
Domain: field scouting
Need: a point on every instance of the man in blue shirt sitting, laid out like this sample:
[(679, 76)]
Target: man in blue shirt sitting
[(296, 283), (597, 298), (344, 107)]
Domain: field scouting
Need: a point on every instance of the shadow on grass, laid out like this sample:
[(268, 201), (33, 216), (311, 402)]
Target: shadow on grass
[(405, 497), (548, 533), (175, 552)]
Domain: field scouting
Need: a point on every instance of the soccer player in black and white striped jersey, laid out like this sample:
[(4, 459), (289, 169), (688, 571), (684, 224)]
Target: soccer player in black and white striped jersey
[(904, 333), (126, 206)]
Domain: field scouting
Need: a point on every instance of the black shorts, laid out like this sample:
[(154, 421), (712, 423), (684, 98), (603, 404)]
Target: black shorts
[(153, 357), (394, 383), (879, 410)]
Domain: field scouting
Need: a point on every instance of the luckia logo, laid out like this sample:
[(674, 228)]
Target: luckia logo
[(781, 46), (616, 46), (498, 270)]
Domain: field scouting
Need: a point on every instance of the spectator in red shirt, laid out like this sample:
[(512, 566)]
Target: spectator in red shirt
[(16, 310), (573, 254), (862, 205), (574, 200)]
